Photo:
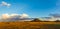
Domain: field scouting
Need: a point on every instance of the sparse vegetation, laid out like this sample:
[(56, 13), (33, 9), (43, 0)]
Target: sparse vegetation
[(36, 20), (34, 24), (29, 25), (57, 21)]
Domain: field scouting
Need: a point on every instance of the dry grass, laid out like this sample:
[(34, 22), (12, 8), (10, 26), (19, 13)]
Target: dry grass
[(29, 25)]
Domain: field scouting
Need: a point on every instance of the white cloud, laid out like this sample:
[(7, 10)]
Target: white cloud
[(14, 14), (24, 15), (5, 16), (5, 4)]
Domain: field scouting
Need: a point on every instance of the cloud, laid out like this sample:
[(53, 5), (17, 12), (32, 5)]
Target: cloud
[(55, 15), (24, 15), (5, 16), (14, 14), (5, 4)]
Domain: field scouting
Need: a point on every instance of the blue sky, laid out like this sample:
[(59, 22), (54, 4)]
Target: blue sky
[(34, 8)]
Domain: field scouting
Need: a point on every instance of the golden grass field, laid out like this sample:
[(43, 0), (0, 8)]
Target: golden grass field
[(29, 25)]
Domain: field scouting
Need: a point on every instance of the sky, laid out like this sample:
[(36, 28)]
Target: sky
[(34, 8)]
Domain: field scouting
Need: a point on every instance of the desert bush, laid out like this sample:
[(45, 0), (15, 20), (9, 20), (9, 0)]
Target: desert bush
[(57, 21), (36, 20)]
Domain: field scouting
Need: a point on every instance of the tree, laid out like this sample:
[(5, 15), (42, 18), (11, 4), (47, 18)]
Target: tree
[(36, 20), (57, 21)]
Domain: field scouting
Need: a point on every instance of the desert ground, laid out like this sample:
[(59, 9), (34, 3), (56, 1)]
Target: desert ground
[(29, 25)]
